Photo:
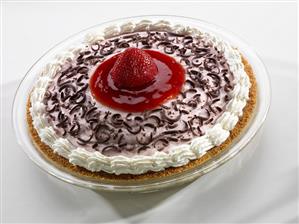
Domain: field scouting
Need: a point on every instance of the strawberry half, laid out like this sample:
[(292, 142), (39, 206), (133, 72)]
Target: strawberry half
[(133, 69)]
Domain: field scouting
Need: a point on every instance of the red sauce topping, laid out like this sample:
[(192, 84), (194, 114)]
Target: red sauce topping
[(166, 85)]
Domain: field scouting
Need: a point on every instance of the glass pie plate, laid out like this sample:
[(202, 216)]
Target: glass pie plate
[(224, 164)]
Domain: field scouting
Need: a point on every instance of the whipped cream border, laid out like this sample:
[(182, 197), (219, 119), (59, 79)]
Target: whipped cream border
[(138, 164)]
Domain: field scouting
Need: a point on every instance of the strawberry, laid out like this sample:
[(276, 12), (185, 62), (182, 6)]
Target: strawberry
[(133, 69)]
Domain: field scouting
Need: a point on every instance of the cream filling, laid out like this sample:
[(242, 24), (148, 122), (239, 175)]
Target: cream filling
[(138, 164)]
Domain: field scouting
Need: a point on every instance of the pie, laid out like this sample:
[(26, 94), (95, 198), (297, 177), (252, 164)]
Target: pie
[(141, 101)]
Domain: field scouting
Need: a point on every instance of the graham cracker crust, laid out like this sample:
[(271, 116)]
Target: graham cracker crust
[(81, 172)]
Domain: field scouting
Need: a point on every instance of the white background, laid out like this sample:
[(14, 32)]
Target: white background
[(264, 190)]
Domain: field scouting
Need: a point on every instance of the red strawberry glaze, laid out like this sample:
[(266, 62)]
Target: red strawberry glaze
[(167, 84)]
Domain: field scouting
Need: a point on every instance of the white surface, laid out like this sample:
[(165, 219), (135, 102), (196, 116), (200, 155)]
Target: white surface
[(264, 190)]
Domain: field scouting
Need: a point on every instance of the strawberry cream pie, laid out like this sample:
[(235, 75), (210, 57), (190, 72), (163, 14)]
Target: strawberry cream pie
[(140, 101)]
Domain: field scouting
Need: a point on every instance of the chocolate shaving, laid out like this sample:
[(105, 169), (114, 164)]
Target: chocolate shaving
[(95, 145), (84, 141), (52, 109), (123, 44), (121, 141), (83, 88), (185, 61), (138, 119), (142, 148), (175, 34), (95, 47), (191, 84), (172, 126), (187, 40), (78, 98), (75, 129), (196, 61), (195, 130), (185, 139), (192, 103), (132, 129), (214, 93), (48, 95), (67, 88), (197, 97), (160, 144), (110, 148), (171, 132), (82, 70), (171, 116), (170, 49), (80, 79), (107, 50), (227, 98), (155, 118), (210, 63), (219, 109), (172, 139), (200, 52), (90, 112), (150, 125), (78, 107), (155, 110), (144, 139), (184, 52), (116, 119), (102, 133), (227, 88), (128, 117)]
